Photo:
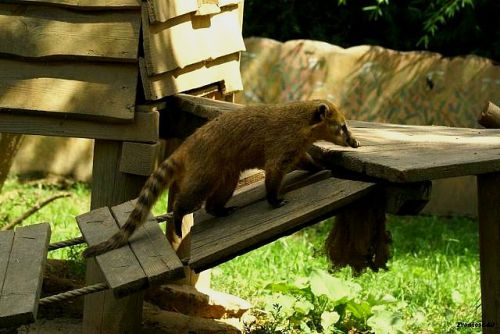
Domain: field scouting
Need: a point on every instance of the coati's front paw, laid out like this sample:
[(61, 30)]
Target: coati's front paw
[(277, 203), (353, 142)]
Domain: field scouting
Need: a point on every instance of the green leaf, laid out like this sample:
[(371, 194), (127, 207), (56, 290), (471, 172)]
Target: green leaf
[(303, 307), (360, 311), (329, 319), (384, 321), (323, 284)]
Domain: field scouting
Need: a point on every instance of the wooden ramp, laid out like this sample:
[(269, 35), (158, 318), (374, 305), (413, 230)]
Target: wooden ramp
[(147, 260), (311, 198), (23, 253)]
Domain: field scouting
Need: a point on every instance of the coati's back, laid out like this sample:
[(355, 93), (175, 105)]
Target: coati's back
[(245, 138)]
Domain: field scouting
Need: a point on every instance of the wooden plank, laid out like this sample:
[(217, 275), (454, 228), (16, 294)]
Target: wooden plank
[(143, 129), (140, 158), (88, 90), (190, 39), (122, 271), (58, 33), (84, 4), (220, 239), (151, 248), (489, 239), (200, 106), (415, 153), (103, 312), (6, 240), (161, 11), (224, 70), (254, 192), (23, 280)]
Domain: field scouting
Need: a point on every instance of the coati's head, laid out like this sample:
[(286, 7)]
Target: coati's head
[(330, 124)]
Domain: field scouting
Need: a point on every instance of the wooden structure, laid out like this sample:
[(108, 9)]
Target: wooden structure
[(92, 69)]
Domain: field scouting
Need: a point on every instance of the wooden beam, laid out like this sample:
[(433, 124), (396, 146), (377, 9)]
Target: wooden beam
[(488, 186), (490, 116), (407, 198), (140, 158), (104, 91), (58, 33), (200, 106), (143, 129), (224, 70), (85, 4)]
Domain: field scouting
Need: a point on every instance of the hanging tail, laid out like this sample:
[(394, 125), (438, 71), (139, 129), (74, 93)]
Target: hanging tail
[(161, 179)]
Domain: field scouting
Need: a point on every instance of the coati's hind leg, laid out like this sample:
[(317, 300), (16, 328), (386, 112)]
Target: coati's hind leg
[(187, 201), (216, 202), (275, 171)]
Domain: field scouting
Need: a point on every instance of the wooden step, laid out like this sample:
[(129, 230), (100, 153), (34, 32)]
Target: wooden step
[(23, 254), (147, 260), (311, 198)]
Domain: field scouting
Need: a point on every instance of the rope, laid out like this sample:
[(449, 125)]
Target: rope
[(73, 293), (80, 240), (66, 243)]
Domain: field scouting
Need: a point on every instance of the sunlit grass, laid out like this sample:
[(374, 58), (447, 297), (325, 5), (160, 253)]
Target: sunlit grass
[(434, 268)]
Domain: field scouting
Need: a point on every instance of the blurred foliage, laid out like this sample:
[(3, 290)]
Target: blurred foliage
[(450, 27)]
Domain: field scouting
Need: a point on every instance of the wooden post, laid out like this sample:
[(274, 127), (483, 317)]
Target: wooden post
[(488, 186), (103, 313)]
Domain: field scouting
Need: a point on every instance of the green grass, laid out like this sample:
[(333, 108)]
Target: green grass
[(434, 269)]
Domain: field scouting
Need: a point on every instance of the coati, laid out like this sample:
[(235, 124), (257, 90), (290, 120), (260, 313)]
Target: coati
[(206, 167)]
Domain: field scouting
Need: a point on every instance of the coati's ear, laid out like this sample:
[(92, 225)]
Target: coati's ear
[(321, 113)]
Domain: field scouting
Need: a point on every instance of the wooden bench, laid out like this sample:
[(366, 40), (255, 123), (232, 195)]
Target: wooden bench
[(23, 253), (147, 260)]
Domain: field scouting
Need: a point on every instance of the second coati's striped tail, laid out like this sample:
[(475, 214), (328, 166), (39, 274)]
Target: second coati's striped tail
[(161, 179)]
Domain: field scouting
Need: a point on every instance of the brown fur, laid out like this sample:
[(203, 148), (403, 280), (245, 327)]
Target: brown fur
[(207, 166)]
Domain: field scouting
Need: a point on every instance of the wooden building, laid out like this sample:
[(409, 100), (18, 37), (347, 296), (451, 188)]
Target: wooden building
[(100, 69)]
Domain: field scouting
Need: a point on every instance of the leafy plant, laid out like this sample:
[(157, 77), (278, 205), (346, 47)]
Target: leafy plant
[(322, 303), (451, 27)]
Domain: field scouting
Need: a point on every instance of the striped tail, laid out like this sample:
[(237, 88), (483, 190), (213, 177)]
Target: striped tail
[(161, 179)]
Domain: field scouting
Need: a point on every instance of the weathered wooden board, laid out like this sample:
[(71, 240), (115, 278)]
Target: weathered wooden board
[(219, 239), (122, 271), (162, 11), (87, 90), (401, 153), (85, 4), (190, 39), (200, 106), (143, 129), (224, 70), (22, 282), (151, 248), (140, 158), (51, 32)]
